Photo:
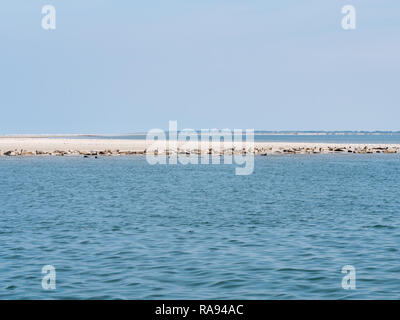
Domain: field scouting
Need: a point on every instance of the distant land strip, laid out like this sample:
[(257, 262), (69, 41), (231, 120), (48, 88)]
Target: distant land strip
[(256, 132)]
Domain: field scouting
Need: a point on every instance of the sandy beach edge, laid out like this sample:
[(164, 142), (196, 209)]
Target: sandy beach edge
[(30, 146)]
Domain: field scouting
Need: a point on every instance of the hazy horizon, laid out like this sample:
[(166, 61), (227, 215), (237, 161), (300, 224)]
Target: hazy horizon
[(256, 131)]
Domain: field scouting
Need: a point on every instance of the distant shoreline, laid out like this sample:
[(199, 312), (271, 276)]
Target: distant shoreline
[(256, 132)]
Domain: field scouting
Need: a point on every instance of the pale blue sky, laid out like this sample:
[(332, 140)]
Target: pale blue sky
[(128, 66)]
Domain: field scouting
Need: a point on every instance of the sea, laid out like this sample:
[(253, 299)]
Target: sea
[(120, 228)]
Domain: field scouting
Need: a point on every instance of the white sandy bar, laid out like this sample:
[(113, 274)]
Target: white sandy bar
[(35, 144)]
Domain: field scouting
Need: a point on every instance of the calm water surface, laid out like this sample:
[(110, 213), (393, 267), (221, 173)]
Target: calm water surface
[(116, 227)]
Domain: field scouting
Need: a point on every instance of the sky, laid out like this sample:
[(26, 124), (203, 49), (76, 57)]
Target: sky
[(122, 66)]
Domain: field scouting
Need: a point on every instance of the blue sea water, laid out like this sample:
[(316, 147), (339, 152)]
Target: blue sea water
[(119, 228)]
